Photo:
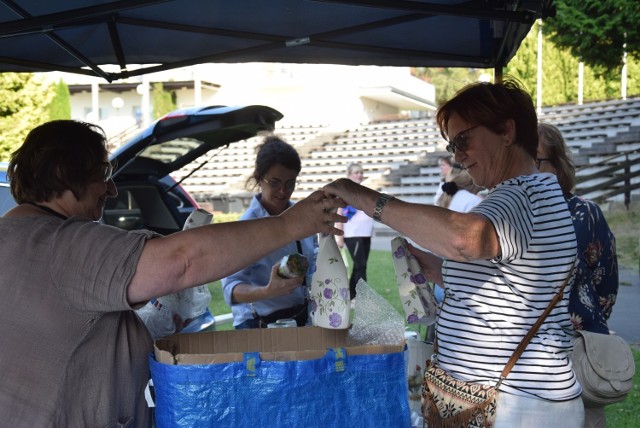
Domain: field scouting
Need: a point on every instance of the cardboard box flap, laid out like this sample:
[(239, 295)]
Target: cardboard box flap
[(254, 340), (163, 356), (277, 344)]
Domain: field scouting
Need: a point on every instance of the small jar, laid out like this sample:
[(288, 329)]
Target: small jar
[(293, 265)]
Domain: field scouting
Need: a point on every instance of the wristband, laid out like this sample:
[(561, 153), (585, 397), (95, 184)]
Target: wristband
[(383, 199)]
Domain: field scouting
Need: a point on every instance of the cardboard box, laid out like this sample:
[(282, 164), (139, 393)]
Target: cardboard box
[(274, 344)]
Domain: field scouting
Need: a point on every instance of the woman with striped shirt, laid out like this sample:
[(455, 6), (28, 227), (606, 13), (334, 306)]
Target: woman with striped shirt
[(501, 263)]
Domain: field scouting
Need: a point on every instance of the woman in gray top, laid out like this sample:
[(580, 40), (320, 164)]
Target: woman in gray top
[(74, 354)]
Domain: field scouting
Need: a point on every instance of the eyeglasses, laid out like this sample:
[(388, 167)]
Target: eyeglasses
[(460, 141), (540, 160), (108, 172), (276, 184)]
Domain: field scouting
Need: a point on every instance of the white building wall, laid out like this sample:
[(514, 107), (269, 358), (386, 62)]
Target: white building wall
[(305, 94)]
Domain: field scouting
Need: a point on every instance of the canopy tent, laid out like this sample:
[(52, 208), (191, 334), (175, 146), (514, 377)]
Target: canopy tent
[(142, 36)]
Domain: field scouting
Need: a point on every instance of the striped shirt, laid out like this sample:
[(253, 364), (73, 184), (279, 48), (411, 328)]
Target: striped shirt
[(492, 304)]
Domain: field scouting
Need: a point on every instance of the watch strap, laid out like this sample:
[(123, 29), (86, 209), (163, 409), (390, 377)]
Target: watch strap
[(383, 199)]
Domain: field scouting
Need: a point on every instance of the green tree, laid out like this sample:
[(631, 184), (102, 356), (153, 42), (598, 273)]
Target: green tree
[(523, 66), (24, 104), (163, 102), (560, 73), (633, 76), (60, 106), (559, 69), (596, 31)]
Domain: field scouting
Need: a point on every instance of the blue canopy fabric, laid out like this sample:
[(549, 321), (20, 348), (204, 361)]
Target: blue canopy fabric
[(81, 36)]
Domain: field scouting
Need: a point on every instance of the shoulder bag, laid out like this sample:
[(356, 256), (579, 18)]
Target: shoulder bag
[(451, 403), (604, 366)]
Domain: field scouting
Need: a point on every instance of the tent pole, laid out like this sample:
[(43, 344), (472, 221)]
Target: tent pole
[(497, 74)]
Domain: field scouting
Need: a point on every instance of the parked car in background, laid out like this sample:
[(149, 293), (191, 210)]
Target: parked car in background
[(6, 201), (148, 197), (183, 201)]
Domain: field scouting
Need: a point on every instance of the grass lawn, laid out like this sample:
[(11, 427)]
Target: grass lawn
[(627, 413)]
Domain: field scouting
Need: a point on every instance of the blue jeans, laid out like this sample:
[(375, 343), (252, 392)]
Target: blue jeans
[(247, 324), (525, 412)]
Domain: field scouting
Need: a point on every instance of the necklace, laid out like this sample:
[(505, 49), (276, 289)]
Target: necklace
[(49, 210)]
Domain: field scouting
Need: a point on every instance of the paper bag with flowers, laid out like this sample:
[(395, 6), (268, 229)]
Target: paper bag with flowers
[(416, 293)]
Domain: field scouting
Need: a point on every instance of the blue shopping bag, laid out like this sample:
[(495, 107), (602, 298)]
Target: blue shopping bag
[(335, 390)]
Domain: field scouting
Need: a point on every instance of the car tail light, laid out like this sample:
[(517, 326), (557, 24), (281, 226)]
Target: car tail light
[(188, 196)]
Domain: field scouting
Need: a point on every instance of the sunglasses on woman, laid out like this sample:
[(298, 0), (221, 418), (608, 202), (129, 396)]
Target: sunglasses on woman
[(108, 171), (460, 141)]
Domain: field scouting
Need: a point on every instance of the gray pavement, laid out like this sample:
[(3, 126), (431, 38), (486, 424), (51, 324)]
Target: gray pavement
[(625, 318)]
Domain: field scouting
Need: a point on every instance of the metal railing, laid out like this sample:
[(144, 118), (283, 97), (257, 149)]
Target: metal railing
[(223, 319), (123, 136), (611, 177)]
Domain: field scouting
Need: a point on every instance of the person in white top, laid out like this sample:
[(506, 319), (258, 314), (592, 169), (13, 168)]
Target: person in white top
[(459, 192), (358, 231), (446, 164), (501, 263)]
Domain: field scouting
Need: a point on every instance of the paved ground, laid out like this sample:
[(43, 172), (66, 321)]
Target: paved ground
[(625, 318)]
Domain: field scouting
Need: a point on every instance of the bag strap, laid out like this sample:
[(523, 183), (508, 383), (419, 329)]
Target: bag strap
[(304, 277), (534, 329)]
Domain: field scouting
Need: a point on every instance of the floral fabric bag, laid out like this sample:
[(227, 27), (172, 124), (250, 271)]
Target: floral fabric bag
[(416, 293), (329, 299)]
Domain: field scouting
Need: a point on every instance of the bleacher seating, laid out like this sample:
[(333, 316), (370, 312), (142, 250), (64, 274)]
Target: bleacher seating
[(226, 170), (587, 126), (400, 156), (600, 134)]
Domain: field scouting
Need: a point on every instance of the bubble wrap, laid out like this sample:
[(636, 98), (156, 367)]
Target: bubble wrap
[(375, 322)]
